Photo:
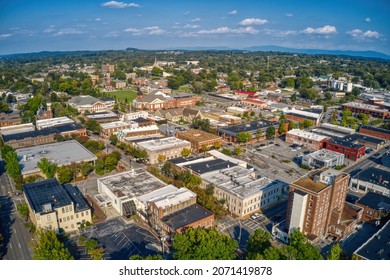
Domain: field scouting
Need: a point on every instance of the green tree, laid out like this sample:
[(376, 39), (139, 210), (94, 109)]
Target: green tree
[(97, 253), (293, 97), (47, 168), (257, 243), (91, 244), (93, 125), (113, 139), (335, 252), (291, 125), (185, 152), (282, 125), (210, 189), (226, 151), (49, 247), (300, 248), (307, 123), (243, 137), (156, 71), (137, 257), (237, 151), (204, 244), (270, 132), (64, 174), (259, 133), (161, 158), (23, 210), (4, 107), (86, 169), (203, 124)]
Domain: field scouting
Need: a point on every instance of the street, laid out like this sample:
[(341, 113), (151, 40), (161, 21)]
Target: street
[(16, 238)]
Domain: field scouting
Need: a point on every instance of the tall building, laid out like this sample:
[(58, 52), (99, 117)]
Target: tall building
[(316, 202)]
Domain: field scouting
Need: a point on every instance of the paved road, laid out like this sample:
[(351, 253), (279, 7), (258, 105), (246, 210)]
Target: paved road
[(16, 238)]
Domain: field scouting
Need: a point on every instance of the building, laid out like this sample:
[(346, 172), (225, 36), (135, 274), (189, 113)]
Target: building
[(306, 139), (351, 151), (193, 216), (138, 131), (124, 189), (43, 136), (178, 114), (372, 179), (237, 110), (88, 103), (377, 247), (372, 110), (199, 139), (55, 206), (332, 130), (244, 192), (375, 132), (107, 68), (230, 133), (386, 159), (158, 100), (45, 123), (229, 119), (61, 153), (10, 119), (301, 115), (254, 103), (362, 139), (375, 205), (102, 117), (13, 129), (316, 202), (340, 85), (43, 114), (134, 115), (108, 129), (168, 148), (323, 158)]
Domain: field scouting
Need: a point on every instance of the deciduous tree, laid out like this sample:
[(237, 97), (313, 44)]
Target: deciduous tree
[(49, 247)]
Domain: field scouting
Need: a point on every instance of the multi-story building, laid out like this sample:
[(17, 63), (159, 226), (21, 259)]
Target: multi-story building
[(306, 139), (372, 110), (138, 131), (134, 115), (316, 203), (102, 117), (351, 150), (45, 123), (55, 206), (177, 114), (88, 103), (199, 139), (332, 130), (169, 148), (44, 114), (340, 85), (10, 119), (375, 205), (244, 192), (254, 103), (107, 68), (372, 179), (13, 129), (108, 129), (323, 158), (301, 115), (230, 133), (158, 100), (362, 139), (375, 132)]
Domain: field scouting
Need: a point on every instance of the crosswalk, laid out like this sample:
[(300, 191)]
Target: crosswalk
[(254, 224)]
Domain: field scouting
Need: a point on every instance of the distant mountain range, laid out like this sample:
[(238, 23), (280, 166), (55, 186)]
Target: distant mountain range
[(271, 48)]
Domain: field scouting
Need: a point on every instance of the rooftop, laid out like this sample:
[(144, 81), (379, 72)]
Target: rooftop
[(364, 106), (208, 166), (163, 143), (309, 184), (307, 114), (83, 100), (101, 115), (375, 201), (198, 135), (61, 153), (40, 124), (307, 135), (114, 124), (134, 183), (186, 216), (377, 247), (162, 192), (48, 195), (173, 198), (339, 128), (252, 126), (382, 130), (124, 132), (324, 155), (345, 143), (358, 138), (376, 176)]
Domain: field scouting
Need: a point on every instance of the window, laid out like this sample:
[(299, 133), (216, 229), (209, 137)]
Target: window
[(63, 210), (77, 215), (48, 218)]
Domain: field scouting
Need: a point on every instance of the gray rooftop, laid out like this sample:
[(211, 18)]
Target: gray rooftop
[(378, 246), (375, 201), (132, 183), (376, 176), (61, 153), (83, 100), (186, 216)]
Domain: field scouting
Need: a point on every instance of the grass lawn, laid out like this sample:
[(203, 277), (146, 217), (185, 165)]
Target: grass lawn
[(184, 88), (121, 95)]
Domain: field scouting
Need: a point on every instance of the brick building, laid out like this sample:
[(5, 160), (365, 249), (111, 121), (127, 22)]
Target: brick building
[(375, 131), (107, 129), (254, 103), (375, 205), (316, 202), (351, 151), (300, 116), (10, 119), (306, 139), (107, 68), (159, 100), (372, 110), (199, 139)]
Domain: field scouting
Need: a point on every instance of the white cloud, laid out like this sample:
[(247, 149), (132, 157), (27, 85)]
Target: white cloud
[(234, 12), (279, 33), (325, 30), (289, 15), (49, 29), (227, 30), (149, 30), (253, 21), (112, 34), (68, 31), (191, 26), (195, 19), (98, 19), (367, 19), (119, 5), (361, 35), (5, 36)]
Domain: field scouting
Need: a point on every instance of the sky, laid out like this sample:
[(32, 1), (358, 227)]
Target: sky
[(66, 25)]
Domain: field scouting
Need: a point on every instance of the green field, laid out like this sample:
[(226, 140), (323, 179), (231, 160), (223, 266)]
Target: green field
[(121, 95)]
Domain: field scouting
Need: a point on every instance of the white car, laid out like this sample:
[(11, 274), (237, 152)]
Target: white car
[(255, 216), (293, 150)]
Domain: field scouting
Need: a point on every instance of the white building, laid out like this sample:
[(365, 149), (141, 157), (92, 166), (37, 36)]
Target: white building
[(323, 158), (134, 115), (40, 124)]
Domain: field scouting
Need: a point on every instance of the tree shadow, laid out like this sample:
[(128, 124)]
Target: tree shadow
[(6, 222)]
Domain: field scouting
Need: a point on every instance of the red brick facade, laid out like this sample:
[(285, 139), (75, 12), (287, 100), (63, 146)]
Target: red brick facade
[(350, 153), (372, 132)]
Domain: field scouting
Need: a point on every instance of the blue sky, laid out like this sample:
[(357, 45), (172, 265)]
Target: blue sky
[(42, 25)]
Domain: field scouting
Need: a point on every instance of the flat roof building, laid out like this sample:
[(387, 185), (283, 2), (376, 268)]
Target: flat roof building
[(351, 150), (301, 115), (332, 130), (169, 148), (372, 179), (362, 139), (124, 189), (14, 129), (40, 124), (307, 139), (323, 158), (110, 128), (376, 206), (372, 110), (102, 117), (55, 206), (199, 139), (375, 131), (61, 153)]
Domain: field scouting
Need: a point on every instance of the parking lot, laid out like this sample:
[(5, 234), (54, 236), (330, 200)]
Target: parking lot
[(120, 240)]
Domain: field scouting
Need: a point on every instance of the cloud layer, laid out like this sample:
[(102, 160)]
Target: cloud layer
[(325, 30), (119, 5), (253, 21)]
